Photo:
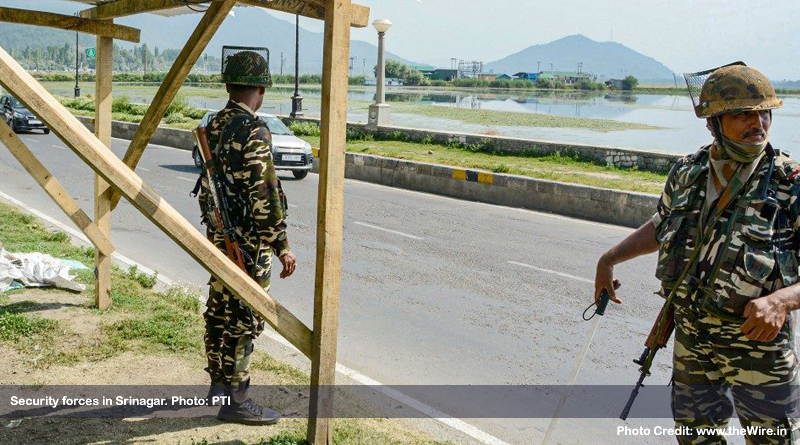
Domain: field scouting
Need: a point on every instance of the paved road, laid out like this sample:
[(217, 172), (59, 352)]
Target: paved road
[(434, 290)]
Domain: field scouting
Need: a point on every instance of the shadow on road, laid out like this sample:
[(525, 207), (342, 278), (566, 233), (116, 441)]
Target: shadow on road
[(186, 168)]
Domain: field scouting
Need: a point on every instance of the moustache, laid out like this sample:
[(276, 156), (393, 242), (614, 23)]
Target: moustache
[(754, 132)]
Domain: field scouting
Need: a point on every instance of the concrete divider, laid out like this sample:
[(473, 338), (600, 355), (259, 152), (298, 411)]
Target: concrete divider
[(592, 203)]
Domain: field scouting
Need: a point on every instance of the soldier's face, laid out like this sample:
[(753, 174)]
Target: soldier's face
[(750, 127)]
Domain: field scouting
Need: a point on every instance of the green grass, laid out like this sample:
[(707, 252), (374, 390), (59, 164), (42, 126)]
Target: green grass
[(517, 119), (552, 167), (16, 326)]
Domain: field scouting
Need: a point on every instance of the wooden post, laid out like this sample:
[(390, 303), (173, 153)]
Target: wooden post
[(102, 192), (330, 220)]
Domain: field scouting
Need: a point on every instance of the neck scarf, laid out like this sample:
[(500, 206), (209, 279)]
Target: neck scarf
[(726, 177), (741, 151)]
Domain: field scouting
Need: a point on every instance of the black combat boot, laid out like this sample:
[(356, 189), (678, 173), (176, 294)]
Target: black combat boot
[(242, 409), (217, 389)]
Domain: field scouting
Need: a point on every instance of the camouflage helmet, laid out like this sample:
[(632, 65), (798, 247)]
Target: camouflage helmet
[(246, 66), (733, 89)]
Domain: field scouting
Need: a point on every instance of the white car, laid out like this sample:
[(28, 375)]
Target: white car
[(289, 152)]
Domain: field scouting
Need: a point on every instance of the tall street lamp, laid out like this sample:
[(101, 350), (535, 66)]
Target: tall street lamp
[(379, 113), (77, 58), (297, 99)]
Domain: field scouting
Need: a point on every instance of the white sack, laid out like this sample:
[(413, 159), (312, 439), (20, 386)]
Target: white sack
[(35, 270)]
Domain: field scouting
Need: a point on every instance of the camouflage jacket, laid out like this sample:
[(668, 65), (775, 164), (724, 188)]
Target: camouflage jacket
[(254, 191), (751, 252)]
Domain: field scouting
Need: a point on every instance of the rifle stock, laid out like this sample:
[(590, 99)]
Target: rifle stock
[(232, 247)]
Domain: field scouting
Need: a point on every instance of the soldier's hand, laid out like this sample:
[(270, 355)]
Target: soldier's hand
[(765, 317), (604, 279), (288, 260)]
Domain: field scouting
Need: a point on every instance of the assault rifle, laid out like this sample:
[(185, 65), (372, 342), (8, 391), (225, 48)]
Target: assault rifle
[(658, 338), (219, 198)]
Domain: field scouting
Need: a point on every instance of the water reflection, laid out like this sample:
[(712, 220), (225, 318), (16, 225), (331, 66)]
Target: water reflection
[(680, 131)]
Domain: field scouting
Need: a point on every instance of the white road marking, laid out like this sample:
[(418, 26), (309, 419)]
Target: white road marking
[(386, 230), (456, 424), (143, 169), (293, 206), (554, 272), (29, 140), (59, 146), (186, 179)]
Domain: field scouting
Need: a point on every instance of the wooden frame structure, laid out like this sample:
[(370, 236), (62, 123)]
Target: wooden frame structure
[(115, 177)]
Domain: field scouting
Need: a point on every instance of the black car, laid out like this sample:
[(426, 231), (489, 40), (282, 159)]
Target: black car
[(20, 118)]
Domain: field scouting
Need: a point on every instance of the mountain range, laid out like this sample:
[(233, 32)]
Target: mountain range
[(604, 59)]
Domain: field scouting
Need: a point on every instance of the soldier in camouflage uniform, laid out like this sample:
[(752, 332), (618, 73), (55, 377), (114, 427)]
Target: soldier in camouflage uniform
[(242, 148), (736, 200)]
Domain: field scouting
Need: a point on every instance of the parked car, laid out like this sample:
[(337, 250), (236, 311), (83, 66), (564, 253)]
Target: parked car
[(289, 152), (18, 117)]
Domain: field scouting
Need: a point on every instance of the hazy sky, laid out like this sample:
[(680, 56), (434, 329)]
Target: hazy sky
[(685, 35)]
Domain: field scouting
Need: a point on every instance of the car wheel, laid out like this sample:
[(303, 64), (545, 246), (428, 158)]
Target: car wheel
[(198, 160), (46, 131), (300, 174)]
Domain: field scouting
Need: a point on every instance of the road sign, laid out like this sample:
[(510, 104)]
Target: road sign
[(91, 53)]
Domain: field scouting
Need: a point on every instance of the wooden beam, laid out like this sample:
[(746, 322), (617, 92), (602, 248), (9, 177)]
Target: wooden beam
[(330, 219), (307, 8), (71, 23), (194, 47), (100, 159), (316, 10), (53, 188), (102, 192), (123, 8)]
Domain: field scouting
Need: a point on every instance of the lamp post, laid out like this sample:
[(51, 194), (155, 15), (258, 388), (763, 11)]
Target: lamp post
[(297, 99), (379, 112), (77, 57)]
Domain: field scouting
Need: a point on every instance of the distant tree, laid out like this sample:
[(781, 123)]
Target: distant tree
[(394, 69), (414, 78), (629, 83)]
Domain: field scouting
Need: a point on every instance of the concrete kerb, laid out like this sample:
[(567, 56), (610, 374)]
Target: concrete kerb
[(592, 203)]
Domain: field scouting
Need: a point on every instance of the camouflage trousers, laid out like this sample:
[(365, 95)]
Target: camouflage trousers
[(231, 327), (713, 379)]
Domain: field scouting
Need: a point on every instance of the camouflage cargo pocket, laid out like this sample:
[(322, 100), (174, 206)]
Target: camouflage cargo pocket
[(673, 237), (758, 263), (787, 262)]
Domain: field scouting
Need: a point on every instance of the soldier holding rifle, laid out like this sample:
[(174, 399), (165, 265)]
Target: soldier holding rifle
[(244, 210), (726, 233)]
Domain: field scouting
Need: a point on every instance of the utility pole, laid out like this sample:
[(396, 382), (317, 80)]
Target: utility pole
[(283, 61), (537, 66), (352, 59), (144, 61), (364, 70), (205, 64), (551, 66)]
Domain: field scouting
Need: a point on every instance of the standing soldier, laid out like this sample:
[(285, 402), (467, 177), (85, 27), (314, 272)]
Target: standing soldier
[(242, 149), (736, 200)]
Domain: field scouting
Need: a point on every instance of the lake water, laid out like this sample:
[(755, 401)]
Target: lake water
[(681, 131)]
